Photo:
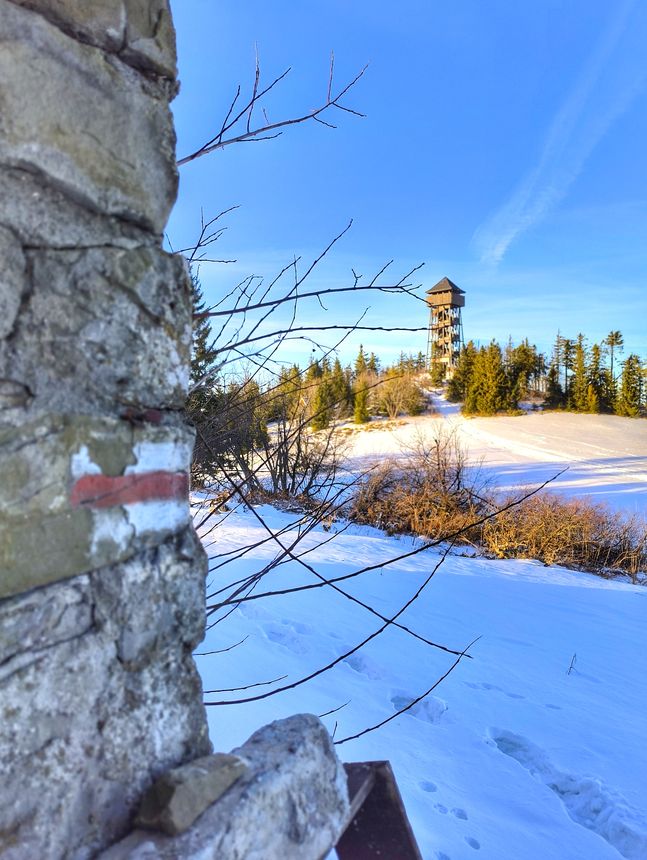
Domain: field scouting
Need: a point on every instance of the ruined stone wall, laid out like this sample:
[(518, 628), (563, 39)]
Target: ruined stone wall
[(101, 576)]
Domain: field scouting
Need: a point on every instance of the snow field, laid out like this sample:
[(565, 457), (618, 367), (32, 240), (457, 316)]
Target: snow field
[(512, 755)]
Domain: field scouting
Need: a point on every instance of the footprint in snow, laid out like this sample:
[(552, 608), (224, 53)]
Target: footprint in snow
[(587, 800), (364, 666), (440, 855), (457, 812), (301, 629), (495, 688), (285, 635), (439, 807), (429, 709), (473, 843), (427, 785)]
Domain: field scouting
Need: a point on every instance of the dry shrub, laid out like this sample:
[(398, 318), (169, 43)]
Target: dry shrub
[(432, 492), (571, 532)]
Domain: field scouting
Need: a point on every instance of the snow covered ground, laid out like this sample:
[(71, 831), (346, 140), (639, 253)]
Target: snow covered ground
[(533, 748)]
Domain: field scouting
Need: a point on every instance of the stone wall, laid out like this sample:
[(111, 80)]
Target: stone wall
[(101, 573), (101, 576)]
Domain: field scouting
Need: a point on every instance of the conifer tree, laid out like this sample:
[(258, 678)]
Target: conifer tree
[(360, 412), (437, 372), (341, 391), (554, 398), (615, 341), (489, 390), (203, 351), (460, 381), (361, 362), (567, 351), (322, 403), (629, 397), (579, 385), (373, 364), (599, 394)]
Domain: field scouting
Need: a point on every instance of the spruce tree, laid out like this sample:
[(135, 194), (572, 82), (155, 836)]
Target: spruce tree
[(461, 379), (203, 351), (628, 401), (497, 395), (361, 363), (615, 341), (599, 394), (360, 411), (567, 351), (373, 364), (579, 385), (322, 403), (554, 398), (341, 392)]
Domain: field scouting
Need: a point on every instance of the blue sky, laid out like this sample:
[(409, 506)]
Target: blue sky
[(504, 145)]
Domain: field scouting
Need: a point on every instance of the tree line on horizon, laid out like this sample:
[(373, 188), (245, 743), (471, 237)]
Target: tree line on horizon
[(577, 377), (242, 412)]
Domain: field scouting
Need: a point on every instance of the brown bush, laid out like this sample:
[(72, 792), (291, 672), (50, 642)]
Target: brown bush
[(433, 492), (571, 532)]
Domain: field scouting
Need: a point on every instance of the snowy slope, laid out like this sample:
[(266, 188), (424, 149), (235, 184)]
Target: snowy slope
[(512, 756), (606, 455)]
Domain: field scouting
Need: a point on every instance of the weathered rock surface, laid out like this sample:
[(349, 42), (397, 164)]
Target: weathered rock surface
[(81, 529), (139, 31), (127, 342), (98, 696), (181, 795), (93, 126), (101, 575), (290, 805)]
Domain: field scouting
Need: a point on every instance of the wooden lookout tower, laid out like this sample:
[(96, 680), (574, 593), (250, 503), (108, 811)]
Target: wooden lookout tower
[(445, 301)]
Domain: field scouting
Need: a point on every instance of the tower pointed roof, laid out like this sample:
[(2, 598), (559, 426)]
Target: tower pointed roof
[(444, 286)]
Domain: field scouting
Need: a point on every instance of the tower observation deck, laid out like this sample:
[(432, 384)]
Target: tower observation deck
[(445, 339)]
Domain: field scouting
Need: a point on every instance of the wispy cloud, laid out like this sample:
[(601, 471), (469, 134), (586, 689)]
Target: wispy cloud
[(614, 75)]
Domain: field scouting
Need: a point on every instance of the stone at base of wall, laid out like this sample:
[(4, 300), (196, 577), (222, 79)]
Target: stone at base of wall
[(291, 804), (98, 696)]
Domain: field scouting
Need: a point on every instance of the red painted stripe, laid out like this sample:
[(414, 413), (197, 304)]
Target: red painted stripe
[(104, 491)]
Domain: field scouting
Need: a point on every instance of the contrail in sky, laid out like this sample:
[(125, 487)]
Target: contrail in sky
[(614, 75)]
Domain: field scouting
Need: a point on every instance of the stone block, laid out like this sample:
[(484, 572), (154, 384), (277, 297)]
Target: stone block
[(41, 216), (84, 734), (42, 466), (140, 31), (86, 122), (102, 24), (291, 804), (181, 795), (150, 37), (101, 326), (44, 618)]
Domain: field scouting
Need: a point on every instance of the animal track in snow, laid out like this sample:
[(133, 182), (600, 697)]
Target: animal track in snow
[(473, 843), (440, 807), (364, 666), (430, 709), (284, 634), (588, 801), (427, 785), (457, 812), (495, 688)]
